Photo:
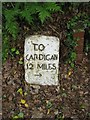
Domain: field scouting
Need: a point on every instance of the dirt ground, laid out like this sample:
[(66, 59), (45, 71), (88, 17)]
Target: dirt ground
[(69, 100)]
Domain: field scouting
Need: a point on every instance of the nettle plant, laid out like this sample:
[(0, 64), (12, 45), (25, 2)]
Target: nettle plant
[(29, 12)]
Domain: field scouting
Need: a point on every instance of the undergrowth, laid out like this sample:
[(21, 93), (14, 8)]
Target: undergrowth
[(28, 12), (32, 13)]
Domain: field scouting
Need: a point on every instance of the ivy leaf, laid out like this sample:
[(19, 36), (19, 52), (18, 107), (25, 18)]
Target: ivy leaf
[(72, 65), (17, 52), (15, 117), (73, 55), (20, 115), (13, 49), (49, 104), (20, 62), (20, 91)]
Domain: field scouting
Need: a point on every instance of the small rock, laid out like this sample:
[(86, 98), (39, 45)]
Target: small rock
[(56, 112), (37, 114), (40, 109), (86, 93), (14, 94), (36, 86), (10, 98), (58, 89), (74, 118), (11, 82), (81, 93), (34, 89)]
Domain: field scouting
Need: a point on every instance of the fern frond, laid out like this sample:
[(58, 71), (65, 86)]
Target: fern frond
[(29, 10), (27, 16), (52, 6), (32, 8), (43, 15), (12, 28), (11, 24), (10, 14)]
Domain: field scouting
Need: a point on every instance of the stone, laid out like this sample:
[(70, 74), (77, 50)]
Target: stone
[(41, 59), (56, 112), (37, 114)]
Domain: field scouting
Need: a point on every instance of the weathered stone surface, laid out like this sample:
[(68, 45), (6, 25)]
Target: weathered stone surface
[(41, 58)]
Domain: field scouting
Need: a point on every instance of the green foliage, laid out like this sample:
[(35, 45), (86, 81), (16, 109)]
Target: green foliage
[(34, 12), (20, 61), (5, 47), (60, 116), (49, 105), (14, 51), (72, 58), (17, 52), (46, 10), (43, 15), (77, 23), (29, 12), (11, 26), (71, 43), (19, 116)]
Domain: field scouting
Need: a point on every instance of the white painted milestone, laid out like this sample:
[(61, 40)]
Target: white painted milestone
[(41, 59)]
